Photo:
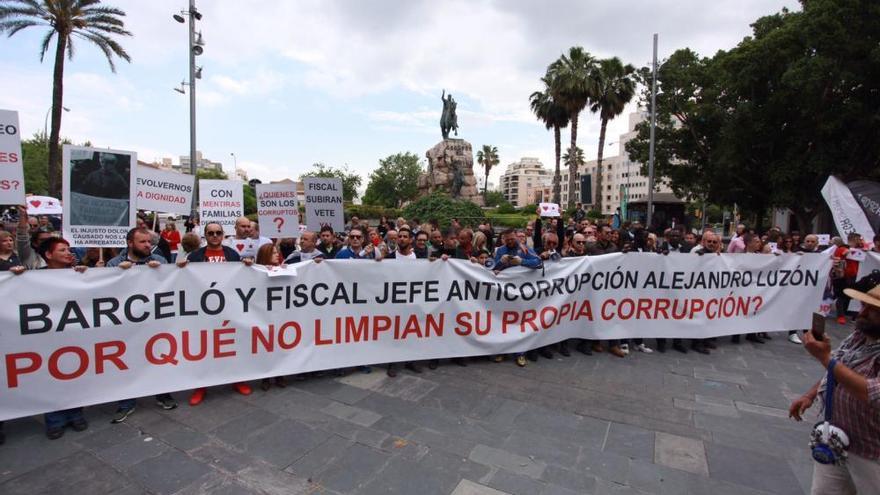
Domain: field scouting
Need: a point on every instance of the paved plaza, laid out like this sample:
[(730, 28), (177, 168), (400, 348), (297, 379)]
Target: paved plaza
[(649, 424)]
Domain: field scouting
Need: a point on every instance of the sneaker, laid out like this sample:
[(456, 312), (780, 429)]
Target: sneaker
[(243, 388), (520, 361), (615, 350), (794, 339), (197, 397), (80, 424), (624, 348), (644, 348), (54, 433), (121, 415), (166, 402), (841, 320)]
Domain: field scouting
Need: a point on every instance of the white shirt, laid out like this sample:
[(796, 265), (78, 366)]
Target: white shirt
[(246, 248), (400, 256)]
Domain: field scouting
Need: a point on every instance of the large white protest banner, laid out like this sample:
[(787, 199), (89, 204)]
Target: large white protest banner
[(72, 339), (221, 201), (166, 192), (277, 210), (98, 188), (11, 165), (324, 203), (846, 211)]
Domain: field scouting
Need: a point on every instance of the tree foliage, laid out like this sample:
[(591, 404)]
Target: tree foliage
[(494, 198), (350, 180), (765, 123), (554, 116), (395, 182), (487, 157), (67, 20), (441, 207)]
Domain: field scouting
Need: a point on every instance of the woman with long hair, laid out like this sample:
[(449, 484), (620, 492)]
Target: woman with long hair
[(269, 255), (172, 237)]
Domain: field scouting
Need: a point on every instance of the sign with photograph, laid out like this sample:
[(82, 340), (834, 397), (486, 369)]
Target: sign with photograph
[(98, 187), (549, 209), (11, 168)]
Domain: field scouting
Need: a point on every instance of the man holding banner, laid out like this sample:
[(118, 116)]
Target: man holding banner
[(138, 252)]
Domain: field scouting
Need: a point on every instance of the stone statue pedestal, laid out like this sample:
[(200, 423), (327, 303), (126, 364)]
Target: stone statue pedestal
[(451, 169)]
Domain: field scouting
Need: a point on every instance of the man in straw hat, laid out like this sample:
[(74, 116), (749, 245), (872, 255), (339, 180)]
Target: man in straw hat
[(855, 365)]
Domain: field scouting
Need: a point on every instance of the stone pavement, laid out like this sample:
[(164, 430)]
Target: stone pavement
[(649, 424)]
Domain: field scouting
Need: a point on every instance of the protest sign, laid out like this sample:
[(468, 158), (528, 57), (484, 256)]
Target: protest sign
[(324, 203), (11, 168), (166, 192), (277, 210), (73, 339), (824, 239), (549, 209), (98, 187), (221, 201), (43, 205)]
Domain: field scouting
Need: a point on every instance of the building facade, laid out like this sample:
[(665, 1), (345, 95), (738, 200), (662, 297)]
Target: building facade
[(524, 182), (202, 163), (621, 178)]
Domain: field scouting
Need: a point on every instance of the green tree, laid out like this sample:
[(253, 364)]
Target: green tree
[(616, 87), (66, 19), (35, 158), (494, 198), (350, 180), (579, 161), (211, 174), (488, 158), (441, 207), (554, 116), (395, 182), (573, 84)]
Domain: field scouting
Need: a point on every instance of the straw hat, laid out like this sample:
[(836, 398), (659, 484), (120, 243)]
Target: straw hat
[(872, 297)]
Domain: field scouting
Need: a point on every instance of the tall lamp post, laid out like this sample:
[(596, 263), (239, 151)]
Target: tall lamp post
[(46, 123), (234, 166), (650, 212), (194, 47)]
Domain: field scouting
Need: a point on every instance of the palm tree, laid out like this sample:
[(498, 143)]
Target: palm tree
[(488, 158), (554, 116), (617, 86), (573, 84), (66, 19), (578, 159)]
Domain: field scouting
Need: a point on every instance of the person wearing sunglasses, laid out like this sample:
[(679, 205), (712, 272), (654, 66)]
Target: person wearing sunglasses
[(214, 252)]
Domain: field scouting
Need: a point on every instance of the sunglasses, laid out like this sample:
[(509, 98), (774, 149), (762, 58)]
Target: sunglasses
[(214, 232), (356, 236)]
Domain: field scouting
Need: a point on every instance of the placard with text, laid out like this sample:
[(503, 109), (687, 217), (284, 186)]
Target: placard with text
[(324, 203)]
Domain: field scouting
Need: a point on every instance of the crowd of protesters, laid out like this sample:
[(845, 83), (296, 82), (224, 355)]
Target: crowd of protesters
[(36, 243)]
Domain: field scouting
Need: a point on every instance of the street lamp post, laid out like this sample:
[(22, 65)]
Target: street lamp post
[(194, 47), (234, 165), (46, 123), (650, 212)]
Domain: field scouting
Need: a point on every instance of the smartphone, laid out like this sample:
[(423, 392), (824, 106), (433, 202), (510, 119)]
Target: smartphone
[(818, 328)]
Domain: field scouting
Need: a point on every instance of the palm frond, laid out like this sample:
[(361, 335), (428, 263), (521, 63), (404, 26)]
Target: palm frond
[(44, 45), (12, 27)]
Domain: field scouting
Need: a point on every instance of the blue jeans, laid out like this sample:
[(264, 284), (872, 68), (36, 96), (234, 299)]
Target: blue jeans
[(126, 404), (60, 419)]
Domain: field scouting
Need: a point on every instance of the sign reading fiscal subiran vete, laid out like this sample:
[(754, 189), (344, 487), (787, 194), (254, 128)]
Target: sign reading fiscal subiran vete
[(166, 192), (221, 201), (11, 168), (98, 188), (72, 339), (324, 203), (277, 210)]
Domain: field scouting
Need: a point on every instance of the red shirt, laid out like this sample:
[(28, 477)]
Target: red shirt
[(173, 238), (215, 255), (852, 267)]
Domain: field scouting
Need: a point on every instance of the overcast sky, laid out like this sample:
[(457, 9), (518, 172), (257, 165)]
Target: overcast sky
[(290, 83)]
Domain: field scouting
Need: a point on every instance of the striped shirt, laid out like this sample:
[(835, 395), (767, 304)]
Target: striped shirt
[(860, 421)]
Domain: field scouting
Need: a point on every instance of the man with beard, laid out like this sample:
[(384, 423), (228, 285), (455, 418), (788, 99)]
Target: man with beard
[(138, 252), (855, 367)]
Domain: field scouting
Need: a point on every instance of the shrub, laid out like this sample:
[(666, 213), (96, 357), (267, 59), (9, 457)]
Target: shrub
[(443, 208), (506, 207)]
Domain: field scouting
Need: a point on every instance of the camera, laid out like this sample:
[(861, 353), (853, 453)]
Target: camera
[(489, 263), (554, 256)]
